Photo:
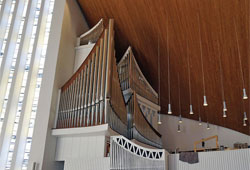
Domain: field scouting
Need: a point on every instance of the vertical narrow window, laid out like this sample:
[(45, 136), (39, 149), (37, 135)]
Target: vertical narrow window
[(13, 4), (25, 36), (1, 3), (25, 76), (1, 58), (38, 85)]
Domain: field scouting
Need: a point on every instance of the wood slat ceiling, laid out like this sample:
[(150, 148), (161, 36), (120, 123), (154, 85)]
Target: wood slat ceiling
[(140, 23)]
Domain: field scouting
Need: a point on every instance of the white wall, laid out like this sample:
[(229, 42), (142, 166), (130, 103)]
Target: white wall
[(73, 24), (191, 132), (82, 147), (81, 54), (88, 164)]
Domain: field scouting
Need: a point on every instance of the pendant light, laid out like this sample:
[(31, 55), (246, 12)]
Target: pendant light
[(202, 68), (208, 126), (224, 106), (159, 119), (180, 117), (169, 99), (200, 122), (224, 114), (159, 83), (189, 84), (179, 128), (245, 115), (241, 69), (244, 112), (244, 123), (222, 85)]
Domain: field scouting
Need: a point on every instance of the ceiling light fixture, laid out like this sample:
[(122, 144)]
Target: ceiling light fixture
[(180, 117), (245, 115), (202, 67), (224, 114), (241, 69), (169, 99), (189, 84), (179, 128), (222, 84), (200, 123), (159, 83), (208, 126), (244, 123)]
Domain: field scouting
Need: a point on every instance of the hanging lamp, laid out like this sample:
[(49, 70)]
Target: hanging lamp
[(179, 128), (208, 126), (202, 67), (189, 84), (244, 123), (169, 98), (224, 114), (241, 69), (159, 83), (200, 122), (222, 84), (245, 115), (180, 117)]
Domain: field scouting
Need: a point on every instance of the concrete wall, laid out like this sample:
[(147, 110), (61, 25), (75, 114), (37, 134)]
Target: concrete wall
[(73, 25), (191, 132)]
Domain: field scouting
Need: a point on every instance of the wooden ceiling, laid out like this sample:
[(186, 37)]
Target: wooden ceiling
[(140, 23)]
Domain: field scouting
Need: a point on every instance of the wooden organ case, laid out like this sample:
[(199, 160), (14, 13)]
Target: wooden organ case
[(102, 104)]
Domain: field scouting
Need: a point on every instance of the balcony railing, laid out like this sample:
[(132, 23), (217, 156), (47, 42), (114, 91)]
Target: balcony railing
[(125, 154), (92, 96)]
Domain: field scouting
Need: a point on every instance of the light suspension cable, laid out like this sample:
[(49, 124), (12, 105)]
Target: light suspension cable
[(169, 100), (189, 84), (208, 126), (179, 128), (179, 84), (202, 67), (222, 85), (200, 122), (241, 69), (159, 82)]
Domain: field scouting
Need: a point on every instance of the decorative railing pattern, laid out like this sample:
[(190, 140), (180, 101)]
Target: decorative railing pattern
[(93, 93), (139, 127), (132, 77), (126, 155)]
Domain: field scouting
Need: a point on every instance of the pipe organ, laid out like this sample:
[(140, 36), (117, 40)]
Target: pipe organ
[(103, 99)]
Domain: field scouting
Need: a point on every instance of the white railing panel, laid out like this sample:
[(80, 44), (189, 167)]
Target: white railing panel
[(125, 154)]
